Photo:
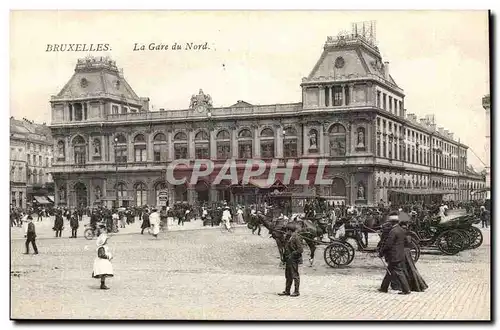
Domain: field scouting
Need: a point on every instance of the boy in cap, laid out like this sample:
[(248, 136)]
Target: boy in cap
[(292, 255), (30, 236)]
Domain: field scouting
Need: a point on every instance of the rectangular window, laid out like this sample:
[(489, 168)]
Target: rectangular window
[(114, 109), (40, 160), (337, 95), (140, 154), (180, 151), (327, 97), (28, 157), (384, 148), (290, 148), (267, 149), (121, 155), (245, 149), (401, 110), (384, 100), (378, 147), (20, 199), (223, 150), (201, 151), (390, 103), (378, 99)]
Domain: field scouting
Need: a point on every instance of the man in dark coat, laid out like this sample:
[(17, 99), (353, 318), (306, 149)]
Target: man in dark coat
[(393, 250), (292, 255), (31, 236), (74, 225), (58, 224), (145, 221)]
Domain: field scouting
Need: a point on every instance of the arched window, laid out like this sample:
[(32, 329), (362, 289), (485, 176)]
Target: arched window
[(337, 135), (384, 183), (267, 143), (245, 142), (79, 150), (201, 143), (35, 177), (223, 145), (140, 148), (121, 148), (379, 183), (141, 193), (96, 144), (61, 154), (396, 183), (338, 187), (181, 145), (290, 139), (122, 189), (402, 183), (78, 109), (159, 147)]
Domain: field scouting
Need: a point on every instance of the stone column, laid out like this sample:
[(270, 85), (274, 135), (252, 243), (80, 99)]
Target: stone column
[(321, 141), (326, 142), (332, 89), (130, 149), (321, 96), (56, 193), (149, 147), (305, 141), (343, 94), (111, 149), (213, 145), (278, 138), (351, 94), (234, 143), (256, 139), (69, 151), (191, 147), (170, 146)]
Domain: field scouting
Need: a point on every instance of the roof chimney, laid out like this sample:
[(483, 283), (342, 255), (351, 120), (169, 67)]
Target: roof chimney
[(386, 70)]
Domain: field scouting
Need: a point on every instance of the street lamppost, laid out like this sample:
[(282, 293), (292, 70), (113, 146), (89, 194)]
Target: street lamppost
[(116, 174), (210, 128)]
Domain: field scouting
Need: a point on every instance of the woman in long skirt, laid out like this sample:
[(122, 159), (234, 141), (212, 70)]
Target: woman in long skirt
[(102, 264)]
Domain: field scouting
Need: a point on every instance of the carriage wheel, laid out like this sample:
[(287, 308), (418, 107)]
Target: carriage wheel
[(88, 233), (336, 255), (476, 237), (450, 242), (351, 251), (466, 238), (414, 250)]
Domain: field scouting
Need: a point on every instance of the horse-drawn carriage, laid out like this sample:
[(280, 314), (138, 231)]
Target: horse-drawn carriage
[(449, 237)]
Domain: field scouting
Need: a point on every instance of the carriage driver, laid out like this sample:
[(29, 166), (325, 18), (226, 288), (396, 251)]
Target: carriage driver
[(292, 255)]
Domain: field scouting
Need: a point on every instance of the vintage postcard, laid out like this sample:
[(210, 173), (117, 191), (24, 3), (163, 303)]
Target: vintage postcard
[(250, 165)]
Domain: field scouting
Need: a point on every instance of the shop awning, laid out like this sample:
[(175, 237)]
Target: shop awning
[(422, 191), (482, 190), (51, 198), (41, 200)]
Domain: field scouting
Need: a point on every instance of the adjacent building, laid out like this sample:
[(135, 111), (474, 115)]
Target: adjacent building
[(110, 148), (30, 159), (487, 106)]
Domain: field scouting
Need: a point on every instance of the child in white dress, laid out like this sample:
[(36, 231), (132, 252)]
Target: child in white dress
[(102, 264)]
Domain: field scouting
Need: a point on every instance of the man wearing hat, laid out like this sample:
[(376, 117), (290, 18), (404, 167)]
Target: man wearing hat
[(393, 249), (30, 236), (292, 255)]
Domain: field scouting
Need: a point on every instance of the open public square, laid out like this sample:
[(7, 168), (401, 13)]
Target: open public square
[(202, 273)]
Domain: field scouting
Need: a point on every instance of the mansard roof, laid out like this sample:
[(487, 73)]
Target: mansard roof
[(97, 77)]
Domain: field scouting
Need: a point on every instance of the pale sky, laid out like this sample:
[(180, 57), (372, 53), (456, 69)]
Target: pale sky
[(440, 59)]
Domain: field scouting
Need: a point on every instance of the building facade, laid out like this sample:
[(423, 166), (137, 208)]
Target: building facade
[(111, 149), (30, 160), (487, 106)]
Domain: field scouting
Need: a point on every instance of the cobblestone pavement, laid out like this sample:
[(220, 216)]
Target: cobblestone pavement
[(207, 274)]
